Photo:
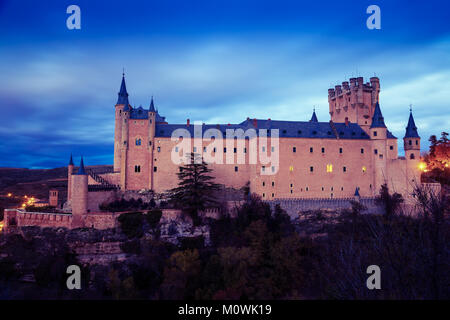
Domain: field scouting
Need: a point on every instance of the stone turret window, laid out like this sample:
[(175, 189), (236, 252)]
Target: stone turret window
[(417, 142), (410, 142), (412, 156), (375, 133)]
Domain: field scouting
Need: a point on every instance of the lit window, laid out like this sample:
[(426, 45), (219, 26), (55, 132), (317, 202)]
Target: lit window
[(291, 168), (364, 169), (329, 168)]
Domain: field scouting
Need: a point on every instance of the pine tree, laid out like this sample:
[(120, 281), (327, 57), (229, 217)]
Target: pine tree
[(195, 191)]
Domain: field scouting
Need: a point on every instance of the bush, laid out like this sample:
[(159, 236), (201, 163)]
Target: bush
[(153, 217), (131, 224)]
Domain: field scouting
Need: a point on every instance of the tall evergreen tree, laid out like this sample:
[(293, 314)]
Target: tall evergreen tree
[(196, 188)]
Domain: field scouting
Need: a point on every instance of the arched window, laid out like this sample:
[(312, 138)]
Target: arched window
[(412, 156), (138, 141)]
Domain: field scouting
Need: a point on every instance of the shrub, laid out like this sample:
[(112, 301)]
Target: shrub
[(153, 217), (131, 224)]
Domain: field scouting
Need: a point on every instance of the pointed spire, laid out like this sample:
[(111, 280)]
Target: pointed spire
[(81, 170), (314, 117), (123, 94), (411, 129), (377, 119), (357, 192), (152, 106), (71, 160)]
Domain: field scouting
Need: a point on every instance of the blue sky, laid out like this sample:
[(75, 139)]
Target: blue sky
[(212, 61)]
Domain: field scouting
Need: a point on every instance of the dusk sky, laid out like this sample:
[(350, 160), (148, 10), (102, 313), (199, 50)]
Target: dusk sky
[(212, 61)]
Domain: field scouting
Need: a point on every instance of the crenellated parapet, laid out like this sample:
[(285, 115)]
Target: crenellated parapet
[(354, 100)]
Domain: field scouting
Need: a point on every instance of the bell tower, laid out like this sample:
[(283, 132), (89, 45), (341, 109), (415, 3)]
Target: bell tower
[(122, 103)]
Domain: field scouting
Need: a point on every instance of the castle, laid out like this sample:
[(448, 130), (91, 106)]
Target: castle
[(352, 154)]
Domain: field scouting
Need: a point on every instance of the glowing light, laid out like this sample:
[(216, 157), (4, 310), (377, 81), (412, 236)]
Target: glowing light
[(329, 168), (1, 226), (422, 166), (364, 169), (446, 165), (291, 168), (9, 195)]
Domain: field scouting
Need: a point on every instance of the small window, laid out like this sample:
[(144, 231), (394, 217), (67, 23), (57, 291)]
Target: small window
[(329, 168), (263, 184), (332, 188), (362, 150), (234, 150), (292, 191), (342, 188), (340, 150), (311, 150), (137, 169), (263, 169), (344, 169), (176, 149), (204, 149), (307, 189), (245, 150), (264, 195), (375, 133), (294, 149), (273, 184), (263, 149), (391, 147), (417, 142), (322, 188), (273, 195), (410, 142), (273, 169), (138, 142), (412, 156), (214, 150), (156, 169), (195, 149), (292, 185), (273, 149), (236, 169), (224, 150), (299, 132), (159, 149), (284, 131), (375, 151), (311, 169), (364, 169), (323, 150)]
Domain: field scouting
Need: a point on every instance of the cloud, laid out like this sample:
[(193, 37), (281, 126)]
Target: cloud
[(60, 98)]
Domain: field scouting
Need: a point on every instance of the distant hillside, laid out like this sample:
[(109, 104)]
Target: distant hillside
[(35, 182)]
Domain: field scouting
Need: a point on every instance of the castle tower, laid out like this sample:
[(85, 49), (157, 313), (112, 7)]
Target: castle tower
[(69, 178), (53, 197), (122, 103), (79, 196), (124, 143), (411, 144), (151, 136), (354, 102), (378, 135)]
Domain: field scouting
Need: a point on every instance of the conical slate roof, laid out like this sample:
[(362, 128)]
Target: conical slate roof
[(411, 129), (377, 119)]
